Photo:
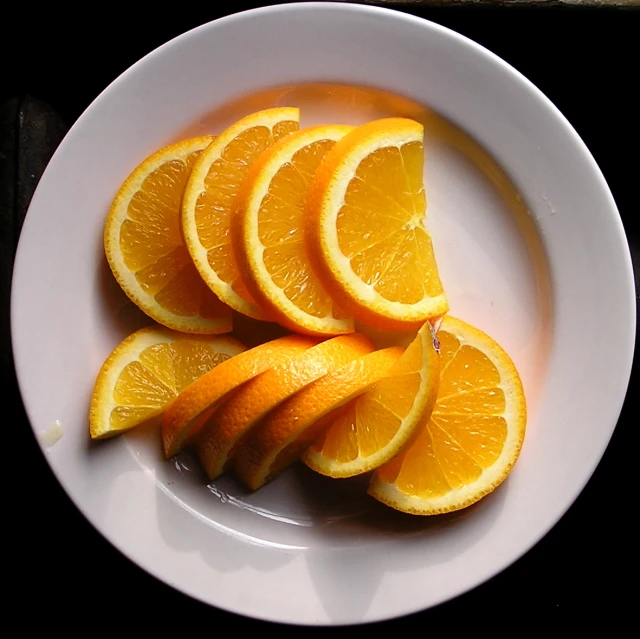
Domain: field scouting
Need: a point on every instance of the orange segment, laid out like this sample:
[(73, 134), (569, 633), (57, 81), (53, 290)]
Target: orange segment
[(210, 199), (371, 429), (146, 371), (473, 437), (185, 416), (269, 234), (367, 238), (219, 440), (145, 250), (287, 431)]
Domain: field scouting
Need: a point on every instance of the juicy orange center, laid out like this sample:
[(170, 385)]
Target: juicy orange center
[(380, 225), (161, 372), (152, 246), (467, 429), (368, 423), (280, 230), (214, 205)]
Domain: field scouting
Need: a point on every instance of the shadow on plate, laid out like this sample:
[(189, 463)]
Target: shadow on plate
[(356, 554), (351, 542)]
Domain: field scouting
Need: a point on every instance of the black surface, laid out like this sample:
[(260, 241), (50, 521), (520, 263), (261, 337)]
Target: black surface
[(586, 61)]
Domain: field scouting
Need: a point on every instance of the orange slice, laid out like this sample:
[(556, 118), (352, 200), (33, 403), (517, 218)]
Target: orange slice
[(366, 234), (210, 198), (270, 244), (219, 440), (146, 371), (145, 250), (185, 416), (280, 439), (475, 433), (371, 429)]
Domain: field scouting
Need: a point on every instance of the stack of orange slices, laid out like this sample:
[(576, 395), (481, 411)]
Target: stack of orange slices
[(315, 229)]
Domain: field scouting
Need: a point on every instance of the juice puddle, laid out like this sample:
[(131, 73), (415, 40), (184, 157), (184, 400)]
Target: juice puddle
[(52, 435), (298, 497)]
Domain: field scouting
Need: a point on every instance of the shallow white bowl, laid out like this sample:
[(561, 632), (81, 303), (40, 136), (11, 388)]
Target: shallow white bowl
[(531, 250)]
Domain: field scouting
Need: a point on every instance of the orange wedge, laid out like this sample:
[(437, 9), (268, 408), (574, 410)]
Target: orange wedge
[(185, 416), (220, 438), (279, 440), (371, 429), (269, 237), (473, 437), (146, 371), (367, 238), (145, 250), (210, 198)]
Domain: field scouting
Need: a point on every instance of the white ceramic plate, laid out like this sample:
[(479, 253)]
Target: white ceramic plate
[(539, 260)]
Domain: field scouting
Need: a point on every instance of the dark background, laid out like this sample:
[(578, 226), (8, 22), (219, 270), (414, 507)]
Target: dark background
[(587, 61)]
